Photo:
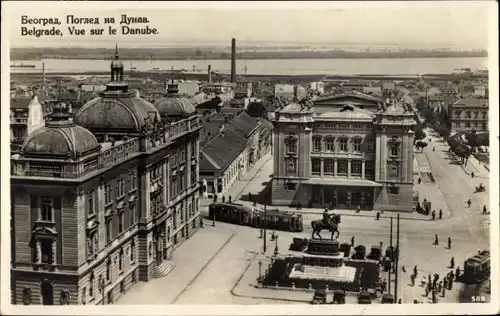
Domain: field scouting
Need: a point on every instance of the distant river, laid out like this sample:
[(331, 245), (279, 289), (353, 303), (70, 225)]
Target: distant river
[(389, 66)]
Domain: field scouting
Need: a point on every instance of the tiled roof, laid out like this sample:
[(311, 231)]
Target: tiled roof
[(20, 102), (244, 123), (355, 94), (221, 151)]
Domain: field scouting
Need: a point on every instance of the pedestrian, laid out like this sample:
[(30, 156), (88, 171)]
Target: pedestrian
[(423, 283), (415, 270), (230, 199), (201, 222), (452, 262), (250, 196), (426, 291), (384, 285), (444, 291), (261, 233), (457, 273), (446, 283), (452, 276), (449, 243), (358, 209), (433, 214), (434, 298), (472, 174), (381, 244), (419, 180), (469, 202), (382, 210), (484, 209), (352, 241), (440, 214), (436, 240), (299, 207), (378, 216), (331, 205), (440, 285), (403, 268), (223, 199), (273, 236), (429, 280), (400, 301), (254, 203)]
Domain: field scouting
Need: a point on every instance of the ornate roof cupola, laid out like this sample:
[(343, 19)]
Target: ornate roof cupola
[(116, 67), (174, 105)]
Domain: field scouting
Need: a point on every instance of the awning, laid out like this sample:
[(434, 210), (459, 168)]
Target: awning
[(343, 182)]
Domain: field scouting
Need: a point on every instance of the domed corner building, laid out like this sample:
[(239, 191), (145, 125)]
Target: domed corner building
[(118, 110), (61, 138), (81, 185), (175, 106)]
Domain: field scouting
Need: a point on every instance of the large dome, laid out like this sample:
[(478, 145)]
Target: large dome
[(116, 111), (60, 138), (174, 104)]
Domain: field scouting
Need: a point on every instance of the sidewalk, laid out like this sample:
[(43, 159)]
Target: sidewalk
[(239, 185), (429, 190), (190, 258)]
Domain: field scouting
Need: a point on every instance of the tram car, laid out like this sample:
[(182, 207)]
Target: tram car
[(477, 268), (231, 213), (278, 220)]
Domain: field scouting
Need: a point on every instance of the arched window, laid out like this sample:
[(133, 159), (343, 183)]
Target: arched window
[(26, 296), (132, 251), (108, 270), (120, 260), (91, 284)]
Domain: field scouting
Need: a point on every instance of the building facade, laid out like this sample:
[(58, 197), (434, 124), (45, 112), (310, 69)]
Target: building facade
[(355, 154), (100, 201), (469, 114)]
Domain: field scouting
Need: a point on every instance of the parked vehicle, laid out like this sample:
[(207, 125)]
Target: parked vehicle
[(319, 297)]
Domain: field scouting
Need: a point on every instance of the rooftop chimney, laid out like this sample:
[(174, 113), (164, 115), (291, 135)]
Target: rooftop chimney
[(233, 60), (209, 73)]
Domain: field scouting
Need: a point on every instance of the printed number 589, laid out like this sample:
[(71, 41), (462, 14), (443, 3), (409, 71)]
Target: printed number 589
[(478, 298)]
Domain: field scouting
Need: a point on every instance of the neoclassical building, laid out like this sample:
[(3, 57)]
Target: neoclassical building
[(358, 151), (100, 201)]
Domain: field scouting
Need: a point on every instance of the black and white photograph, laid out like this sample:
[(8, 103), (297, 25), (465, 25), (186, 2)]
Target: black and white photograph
[(236, 158)]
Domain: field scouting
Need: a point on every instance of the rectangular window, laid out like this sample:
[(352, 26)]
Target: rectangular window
[(90, 247), (96, 243), (46, 249), (121, 222), (122, 186), (369, 167), (90, 200), (107, 193), (317, 144), (342, 167), (182, 182), (356, 145), (371, 146), (291, 147), (356, 167), (330, 144), (316, 166), (108, 231), (46, 209), (330, 166), (343, 145), (395, 150)]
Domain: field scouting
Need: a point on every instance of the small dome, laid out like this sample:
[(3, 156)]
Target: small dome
[(60, 138), (174, 104), (117, 112)]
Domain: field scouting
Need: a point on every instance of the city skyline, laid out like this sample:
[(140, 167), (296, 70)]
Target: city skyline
[(425, 25)]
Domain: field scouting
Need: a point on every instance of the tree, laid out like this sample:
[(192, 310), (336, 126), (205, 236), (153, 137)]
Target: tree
[(421, 145), (419, 133), (472, 140), (463, 152), (256, 109)]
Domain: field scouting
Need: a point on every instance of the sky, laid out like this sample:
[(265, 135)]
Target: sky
[(462, 25)]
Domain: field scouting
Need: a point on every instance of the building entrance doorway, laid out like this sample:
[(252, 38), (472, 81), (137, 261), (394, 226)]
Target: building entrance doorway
[(47, 293)]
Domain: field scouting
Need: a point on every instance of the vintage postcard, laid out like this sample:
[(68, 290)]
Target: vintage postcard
[(249, 158)]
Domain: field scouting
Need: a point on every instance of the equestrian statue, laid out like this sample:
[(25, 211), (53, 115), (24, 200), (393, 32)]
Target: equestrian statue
[(329, 221)]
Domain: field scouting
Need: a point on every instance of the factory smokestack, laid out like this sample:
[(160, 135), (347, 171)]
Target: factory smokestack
[(209, 73), (233, 60)]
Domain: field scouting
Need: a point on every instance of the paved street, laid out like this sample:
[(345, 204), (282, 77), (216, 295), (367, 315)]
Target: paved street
[(228, 277)]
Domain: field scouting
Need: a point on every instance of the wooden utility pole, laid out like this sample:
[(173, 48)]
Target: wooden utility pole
[(264, 226)]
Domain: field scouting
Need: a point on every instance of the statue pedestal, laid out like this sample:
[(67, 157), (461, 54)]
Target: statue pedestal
[(323, 247)]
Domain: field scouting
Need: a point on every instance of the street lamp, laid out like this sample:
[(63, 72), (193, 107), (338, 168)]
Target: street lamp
[(264, 227), (213, 216)]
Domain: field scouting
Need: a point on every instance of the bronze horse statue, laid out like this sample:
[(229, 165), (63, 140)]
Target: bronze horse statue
[(332, 225)]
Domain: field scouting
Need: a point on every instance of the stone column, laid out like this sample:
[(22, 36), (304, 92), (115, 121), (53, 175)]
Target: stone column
[(188, 165), (322, 167), (38, 251), (349, 168), (363, 163), (54, 250), (165, 183), (334, 167)]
